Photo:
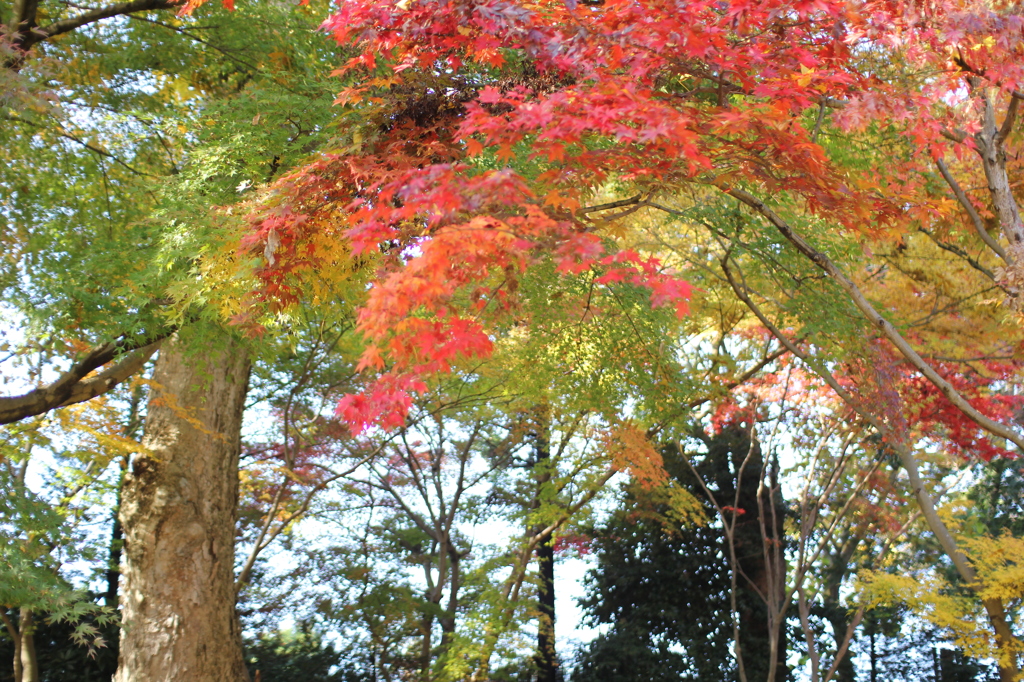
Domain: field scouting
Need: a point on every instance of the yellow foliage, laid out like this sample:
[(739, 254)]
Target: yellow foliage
[(683, 508), (94, 431), (951, 301), (929, 597), (999, 564)]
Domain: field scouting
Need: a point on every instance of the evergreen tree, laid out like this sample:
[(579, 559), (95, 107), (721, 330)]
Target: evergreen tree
[(664, 587), (285, 656)]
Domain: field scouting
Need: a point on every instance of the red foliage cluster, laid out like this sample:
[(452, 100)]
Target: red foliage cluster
[(574, 544), (656, 93)]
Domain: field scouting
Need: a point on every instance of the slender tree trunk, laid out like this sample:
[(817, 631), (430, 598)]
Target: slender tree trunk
[(116, 540), (547, 659), (874, 658), (1006, 643), (840, 621), (737, 466), (29, 662), (426, 647), (15, 634), (447, 620), (837, 615), (178, 513)]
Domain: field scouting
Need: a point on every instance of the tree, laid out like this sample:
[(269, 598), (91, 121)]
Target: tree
[(510, 186), (303, 655), (44, 514), (178, 509), (108, 191), (654, 579), (704, 102), (662, 584)]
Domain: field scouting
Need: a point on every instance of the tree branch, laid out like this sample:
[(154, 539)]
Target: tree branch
[(768, 358), (961, 196), (91, 16), (873, 316), (73, 386), (925, 501), (1009, 120), (62, 132), (957, 251), (611, 204)]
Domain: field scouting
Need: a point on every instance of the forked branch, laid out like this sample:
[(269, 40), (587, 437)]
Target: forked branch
[(976, 220)]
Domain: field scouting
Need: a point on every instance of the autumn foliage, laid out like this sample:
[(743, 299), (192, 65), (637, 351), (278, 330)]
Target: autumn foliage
[(492, 123)]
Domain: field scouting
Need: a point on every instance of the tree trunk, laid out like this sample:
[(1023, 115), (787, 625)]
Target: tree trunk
[(874, 659), (178, 512), (838, 568), (116, 540), (29, 662), (15, 636), (547, 658), (737, 469), (426, 646), (1006, 643)]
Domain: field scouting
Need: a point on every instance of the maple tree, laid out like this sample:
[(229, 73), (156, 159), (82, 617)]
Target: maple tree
[(491, 124), (711, 96), (115, 144)]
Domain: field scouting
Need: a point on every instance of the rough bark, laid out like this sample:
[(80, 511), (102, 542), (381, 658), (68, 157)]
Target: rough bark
[(990, 146), (178, 512)]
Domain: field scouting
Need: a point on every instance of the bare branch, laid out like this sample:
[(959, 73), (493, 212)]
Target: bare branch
[(993, 607), (88, 389), (1009, 121), (92, 16), (957, 136), (956, 250), (632, 201), (962, 197), (73, 386), (84, 143), (728, 386), (818, 122)]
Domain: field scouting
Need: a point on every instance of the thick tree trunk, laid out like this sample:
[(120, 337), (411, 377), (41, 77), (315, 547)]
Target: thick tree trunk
[(178, 512)]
